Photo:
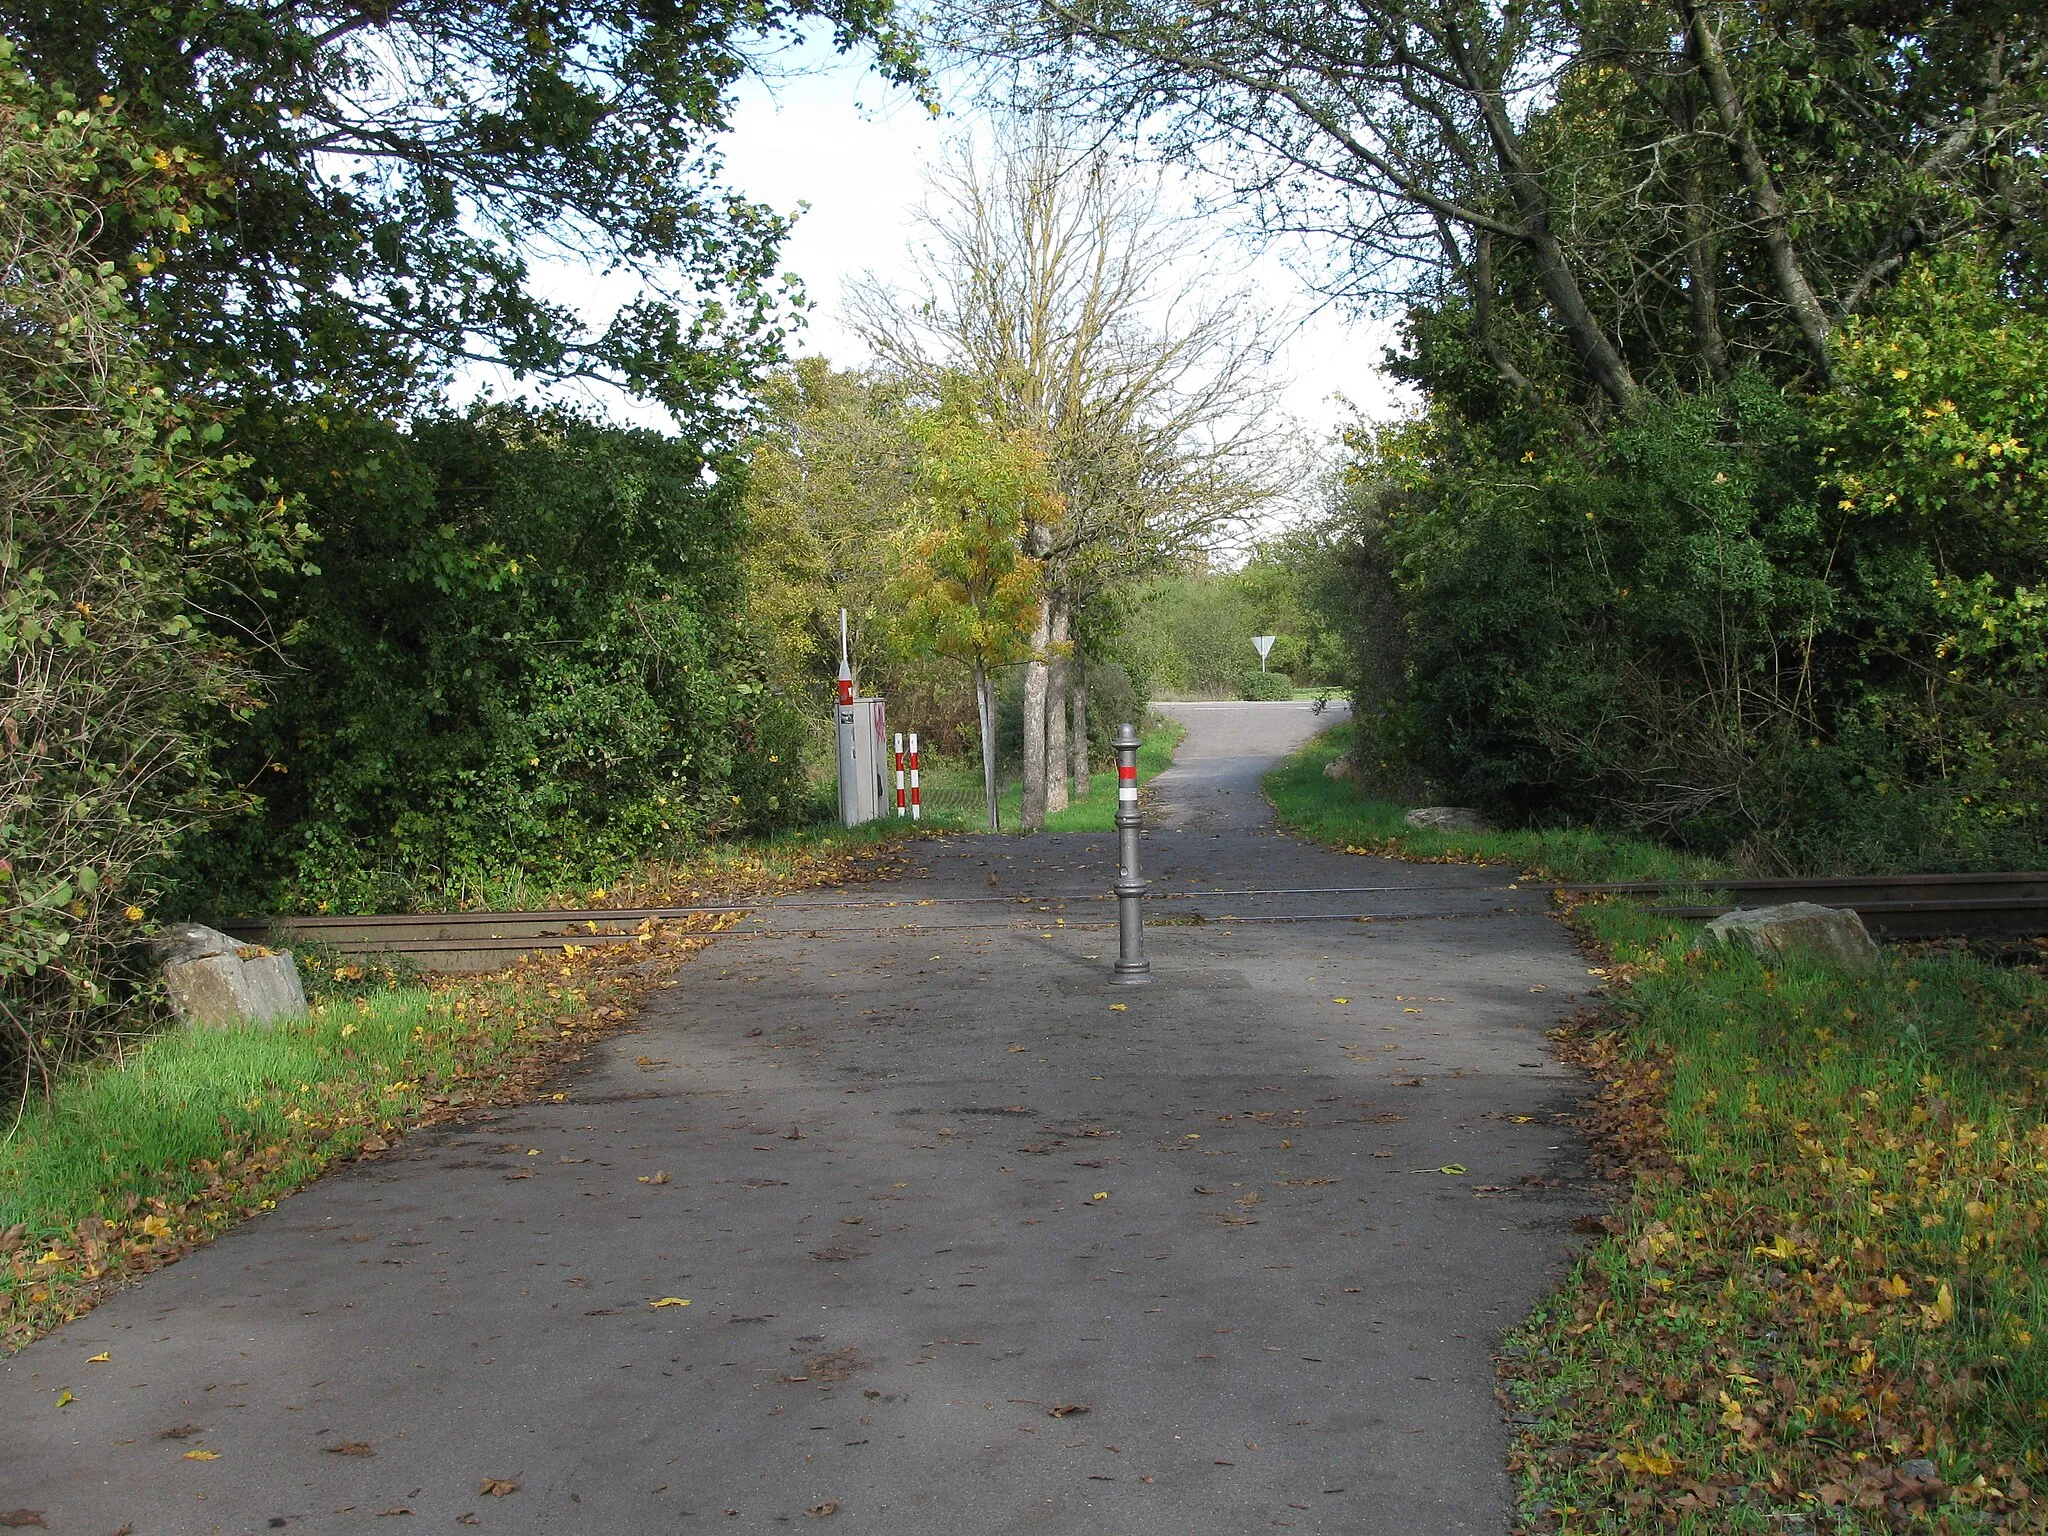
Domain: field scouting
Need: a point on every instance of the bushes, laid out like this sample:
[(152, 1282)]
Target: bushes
[(1804, 630), (118, 531), (518, 662), (1265, 686)]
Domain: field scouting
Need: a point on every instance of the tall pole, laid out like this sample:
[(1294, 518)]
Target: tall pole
[(1132, 968)]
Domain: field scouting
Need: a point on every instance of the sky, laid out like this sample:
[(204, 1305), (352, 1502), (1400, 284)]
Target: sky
[(848, 153), (856, 151)]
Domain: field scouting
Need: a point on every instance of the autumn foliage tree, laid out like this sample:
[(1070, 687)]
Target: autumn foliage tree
[(967, 591)]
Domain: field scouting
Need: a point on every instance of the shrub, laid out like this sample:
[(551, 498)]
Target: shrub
[(117, 531), (518, 665), (1265, 685)]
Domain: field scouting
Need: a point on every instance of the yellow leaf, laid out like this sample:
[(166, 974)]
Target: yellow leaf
[(202, 1455), (1100, 1194), (65, 1397), (1452, 1168), (670, 1301), (1340, 999), (1117, 1007), (99, 1359), (1649, 1463)]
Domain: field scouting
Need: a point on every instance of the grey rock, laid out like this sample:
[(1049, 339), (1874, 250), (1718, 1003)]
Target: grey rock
[(1919, 1467), (1447, 818), (1340, 768), (1832, 935), (216, 982)]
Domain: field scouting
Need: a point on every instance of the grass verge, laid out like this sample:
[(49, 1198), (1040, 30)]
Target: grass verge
[(136, 1159), (958, 788), (1818, 1303)]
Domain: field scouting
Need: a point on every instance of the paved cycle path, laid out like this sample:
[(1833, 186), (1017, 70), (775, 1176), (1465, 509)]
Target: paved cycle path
[(973, 1241)]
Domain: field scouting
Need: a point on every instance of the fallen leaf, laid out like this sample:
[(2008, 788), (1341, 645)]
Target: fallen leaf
[(1648, 1463), (1067, 1410), (654, 1178), (351, 1448), (23, 1517), (670, 1301), (65, 1397), (101, 1358), (1100, 1194), (497, 1487), (375, 1144), (202, 1455), (1016, 1050), (1452, 1168), (396, 1509), (1340, 999), (1118, 1007), (820, 1511)]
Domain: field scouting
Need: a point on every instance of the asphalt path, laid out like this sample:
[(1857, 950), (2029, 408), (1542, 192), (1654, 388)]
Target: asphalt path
[(972, 1240)]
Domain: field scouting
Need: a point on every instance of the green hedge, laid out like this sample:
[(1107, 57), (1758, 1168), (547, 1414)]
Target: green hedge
[(518, 664)]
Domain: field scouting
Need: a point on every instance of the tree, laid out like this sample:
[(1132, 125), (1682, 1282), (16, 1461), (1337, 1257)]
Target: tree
[(120, 531), (828, 470), (968, 591), (1579, 166), (392, 170), (1052, 283)]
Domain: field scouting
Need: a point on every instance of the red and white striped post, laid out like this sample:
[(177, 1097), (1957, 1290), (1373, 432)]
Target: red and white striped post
[(899, 773), (916, 809)]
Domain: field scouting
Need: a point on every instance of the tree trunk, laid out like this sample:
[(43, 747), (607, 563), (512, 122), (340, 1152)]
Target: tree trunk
[(1702, 289), (1790, 277), (1531, 197), (1057, 786), (1077, 686), (1035, 680), (985, 707)]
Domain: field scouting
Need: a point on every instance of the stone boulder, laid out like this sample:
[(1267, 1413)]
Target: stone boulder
[(1340, 768), (1833, 935), (215, 981), (1447, 818)]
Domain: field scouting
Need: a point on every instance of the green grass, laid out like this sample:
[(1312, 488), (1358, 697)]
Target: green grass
[(1828, 1260), (136, 1158), (954, 793), (1332, 811)]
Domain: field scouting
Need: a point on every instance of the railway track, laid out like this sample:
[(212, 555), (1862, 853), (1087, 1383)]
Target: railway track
[(1896, 907), (1977, 906)]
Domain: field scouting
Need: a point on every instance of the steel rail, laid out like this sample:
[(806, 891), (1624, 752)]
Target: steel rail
[(1994, 904)]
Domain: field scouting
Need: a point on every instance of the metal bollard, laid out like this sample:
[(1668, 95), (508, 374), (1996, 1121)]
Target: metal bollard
[(1132, 968)]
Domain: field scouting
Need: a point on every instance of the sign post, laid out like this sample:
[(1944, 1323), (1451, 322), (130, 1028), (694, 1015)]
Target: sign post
[(1265, 645)]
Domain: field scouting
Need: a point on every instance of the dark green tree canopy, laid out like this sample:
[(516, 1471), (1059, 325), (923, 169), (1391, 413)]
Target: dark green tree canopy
[(393, 167)]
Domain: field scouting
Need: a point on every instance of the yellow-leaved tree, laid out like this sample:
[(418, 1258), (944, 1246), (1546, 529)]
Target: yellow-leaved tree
[(965, 590)]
